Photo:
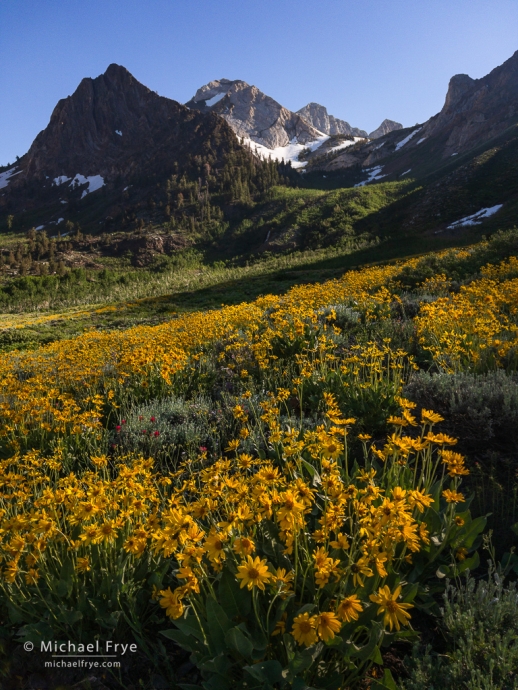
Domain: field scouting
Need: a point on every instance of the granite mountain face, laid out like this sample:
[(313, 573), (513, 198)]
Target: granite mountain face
[(385, 127), (252, 114), (475, 111), (317, 115)]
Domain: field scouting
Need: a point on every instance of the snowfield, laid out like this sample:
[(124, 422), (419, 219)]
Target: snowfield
[(374, 174), (476, 218), (286, 153), (407, 139), (215, 99), (345, 144), (94, 182), (4, 177), (61, 180)]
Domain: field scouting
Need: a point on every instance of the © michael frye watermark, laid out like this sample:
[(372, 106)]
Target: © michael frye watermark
[(98, 654)]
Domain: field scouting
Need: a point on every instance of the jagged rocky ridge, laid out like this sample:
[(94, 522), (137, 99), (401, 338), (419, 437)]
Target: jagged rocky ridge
[(252, 114), (385, 127), (317, 115), (475, 111), (113, 126)]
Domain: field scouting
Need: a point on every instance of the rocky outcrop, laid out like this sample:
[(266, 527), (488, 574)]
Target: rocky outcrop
[(114, 126), (385, 127), (317, 115), (252, 114), (475, 110)]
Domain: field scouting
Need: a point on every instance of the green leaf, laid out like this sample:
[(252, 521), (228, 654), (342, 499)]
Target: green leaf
[(469, 563), (376, 656), (62, 588), (190, 626), (259, 640), (299, 684), (365, 652), (313, 472), (15, 616), (237, 640), (185, 641), (387, 682), (266, 671), (467, 535), (236, 601), (69, 617), (36, 632), (300, 662), (306, 608), (443, 571), (218, 624), (410, 593)]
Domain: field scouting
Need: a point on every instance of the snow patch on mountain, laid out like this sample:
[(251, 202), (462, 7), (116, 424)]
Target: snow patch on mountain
[(374, 174), (4, 177), (215, 99), (94, 182), (287, 153), (475, 218), (61, 180), (407, 138), (345, 144)]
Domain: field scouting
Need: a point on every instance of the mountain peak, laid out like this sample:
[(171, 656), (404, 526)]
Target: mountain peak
[(96, 128), (385, 127), (252, 114), (459, 84), (114, 70), (317, 115)]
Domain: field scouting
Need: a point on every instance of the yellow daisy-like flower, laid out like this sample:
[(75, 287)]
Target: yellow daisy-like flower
[(32, 576), (349, 608), (135, 546), (214, 547), (170, 601), (280, 626), (394, 613), (341, 542), (106, 532), (453, 496), (304, 629), (253, 573), (83, 564), (327, 625), (430, 417), (332, 449), (244, 546), (360, 569), (283, 579)]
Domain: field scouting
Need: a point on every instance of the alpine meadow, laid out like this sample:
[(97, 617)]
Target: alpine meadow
[(259, 394)]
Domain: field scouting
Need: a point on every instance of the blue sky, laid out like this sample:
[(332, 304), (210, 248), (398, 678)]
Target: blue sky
[(364, 60)]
